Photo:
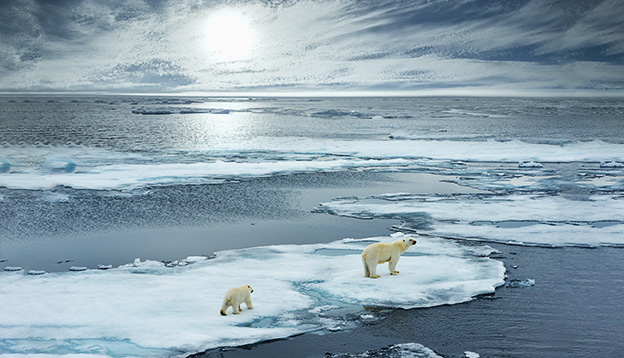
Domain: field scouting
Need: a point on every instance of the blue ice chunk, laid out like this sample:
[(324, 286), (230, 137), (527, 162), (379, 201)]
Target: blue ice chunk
[(5, 165), (60, 165)]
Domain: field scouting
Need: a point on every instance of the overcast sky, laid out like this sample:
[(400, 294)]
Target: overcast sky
[(480, 46)]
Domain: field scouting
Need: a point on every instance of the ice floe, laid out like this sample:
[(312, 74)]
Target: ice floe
[(611, 164), (530, 164), (515, 219), (232, 159), (403, 350), (147, 309), (515, 283), (176, 110)]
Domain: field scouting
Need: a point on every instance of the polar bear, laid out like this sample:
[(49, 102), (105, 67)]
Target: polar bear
[(234, 297), (380, 252)]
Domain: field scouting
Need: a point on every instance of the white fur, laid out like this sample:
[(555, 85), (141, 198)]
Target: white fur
[(234, 297), (379, 253)]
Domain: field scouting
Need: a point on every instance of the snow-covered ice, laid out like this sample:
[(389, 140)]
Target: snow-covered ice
[(147, 309), (403, 350), (231, 159), (515, 283), (518, 219)]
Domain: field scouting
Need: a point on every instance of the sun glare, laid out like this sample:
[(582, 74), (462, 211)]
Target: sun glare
[(229, 36)]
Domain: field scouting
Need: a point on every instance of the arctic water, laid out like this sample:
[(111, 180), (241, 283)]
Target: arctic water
[(91, 185)]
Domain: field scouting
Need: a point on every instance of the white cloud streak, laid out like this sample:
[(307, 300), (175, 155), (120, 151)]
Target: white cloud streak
[(314, 45)]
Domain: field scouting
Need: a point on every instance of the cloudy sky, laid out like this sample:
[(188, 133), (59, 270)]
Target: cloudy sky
[(421, 46)]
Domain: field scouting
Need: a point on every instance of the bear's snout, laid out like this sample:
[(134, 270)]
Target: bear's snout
[(412, 241)]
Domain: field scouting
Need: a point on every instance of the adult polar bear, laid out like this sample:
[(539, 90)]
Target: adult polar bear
[(234, 297), (380, 252)]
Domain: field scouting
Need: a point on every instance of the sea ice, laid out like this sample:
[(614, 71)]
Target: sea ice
[(5, 165), (77, 268), (404, 350), (147, 309), (606, 164), (36, 272), (518, 219), (60, 165), (515, 283), (530, 164)]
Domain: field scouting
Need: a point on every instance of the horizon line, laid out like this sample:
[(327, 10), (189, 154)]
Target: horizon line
[(308, 93)]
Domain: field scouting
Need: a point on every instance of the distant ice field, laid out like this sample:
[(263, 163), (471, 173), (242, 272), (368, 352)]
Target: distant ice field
[(44, 167), (542, 220), (147, 309)]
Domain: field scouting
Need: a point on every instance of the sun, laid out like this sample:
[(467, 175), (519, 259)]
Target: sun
[(228, 36)]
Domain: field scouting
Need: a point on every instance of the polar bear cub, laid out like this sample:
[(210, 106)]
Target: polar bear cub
[(380, 252), (234, 297)]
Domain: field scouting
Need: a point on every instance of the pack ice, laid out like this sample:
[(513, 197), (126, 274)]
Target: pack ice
[(147, 309), (522, 219)]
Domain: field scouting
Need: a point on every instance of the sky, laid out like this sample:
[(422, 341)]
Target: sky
[(313, 46)]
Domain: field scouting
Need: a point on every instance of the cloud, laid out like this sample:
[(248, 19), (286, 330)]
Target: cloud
[(137, 45)]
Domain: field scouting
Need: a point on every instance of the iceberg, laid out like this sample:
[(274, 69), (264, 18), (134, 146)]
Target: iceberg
[(148, 309)]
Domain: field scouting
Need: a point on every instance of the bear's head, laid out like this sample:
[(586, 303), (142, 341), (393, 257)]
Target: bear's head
[(409, 242)]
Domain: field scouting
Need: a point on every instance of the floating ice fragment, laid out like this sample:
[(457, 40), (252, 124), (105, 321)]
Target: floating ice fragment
[(5, 165), (515, 283), (77, 268), (530, 164), (104, 267), (469, 354), (193, 259), (611, 164), (12, 268), (320, 309), (405, 350), (36, 272), (59, 165)]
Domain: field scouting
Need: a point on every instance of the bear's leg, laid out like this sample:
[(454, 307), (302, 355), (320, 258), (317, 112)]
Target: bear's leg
[(366, 270), (392, 265), (236, 308), (372, 266), (248, 303)]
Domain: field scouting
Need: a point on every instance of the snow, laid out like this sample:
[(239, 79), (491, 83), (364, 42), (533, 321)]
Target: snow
[(147, 309), (519, 219), (232, 159)]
